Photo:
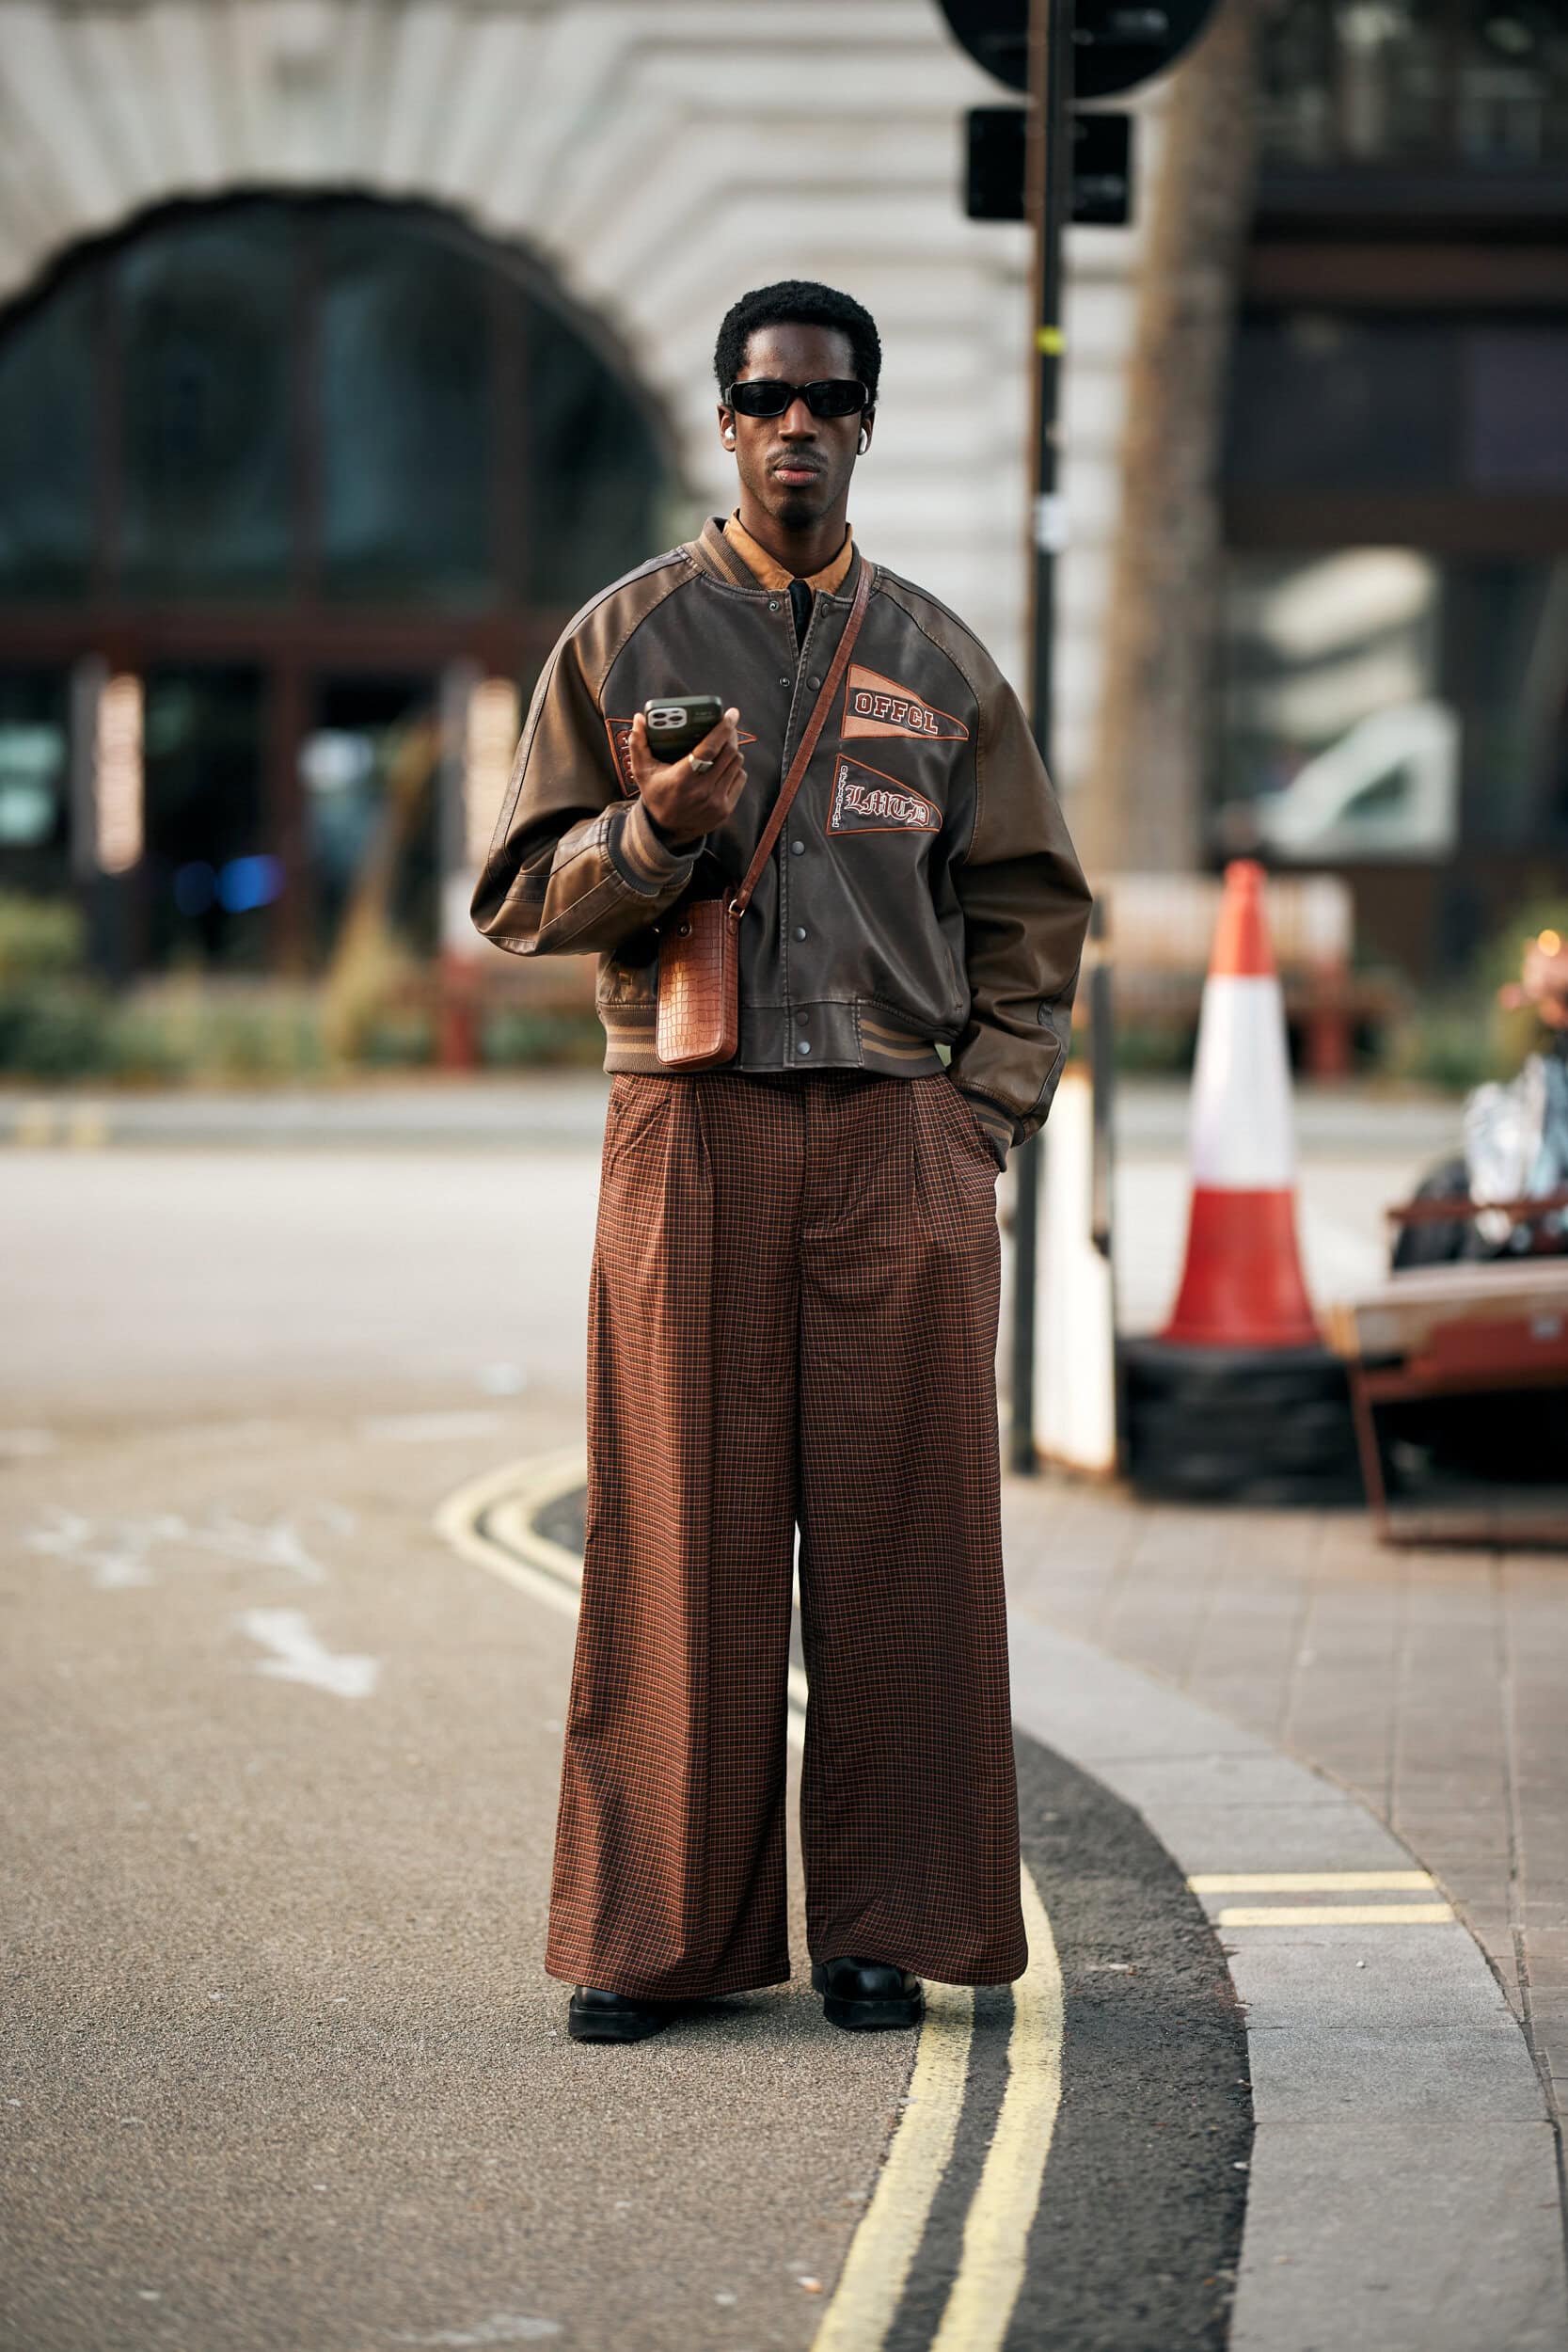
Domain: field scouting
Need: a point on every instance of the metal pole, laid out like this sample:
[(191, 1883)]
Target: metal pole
[(457, 1024), (1098, 974), (1049, 196)]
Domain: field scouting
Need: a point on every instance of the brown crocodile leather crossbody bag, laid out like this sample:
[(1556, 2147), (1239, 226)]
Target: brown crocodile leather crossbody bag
[(699, 944)]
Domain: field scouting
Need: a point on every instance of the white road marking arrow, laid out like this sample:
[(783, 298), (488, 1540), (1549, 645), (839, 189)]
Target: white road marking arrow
[(300, 1656)]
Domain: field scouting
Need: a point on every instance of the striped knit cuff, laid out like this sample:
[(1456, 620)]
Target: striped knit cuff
[(641, 858), (997, 1122)]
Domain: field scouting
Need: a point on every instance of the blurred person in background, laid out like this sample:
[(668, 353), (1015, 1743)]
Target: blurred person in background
[(1516, 1138), (795, 1288)]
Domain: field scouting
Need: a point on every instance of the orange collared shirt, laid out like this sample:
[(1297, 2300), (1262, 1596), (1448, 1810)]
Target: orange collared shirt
[(771, 574)]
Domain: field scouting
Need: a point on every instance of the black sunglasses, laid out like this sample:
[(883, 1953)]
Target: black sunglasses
[(765, 396)]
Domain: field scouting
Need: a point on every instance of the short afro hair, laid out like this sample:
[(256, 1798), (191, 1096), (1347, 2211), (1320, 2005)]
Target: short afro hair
[(797, 302)]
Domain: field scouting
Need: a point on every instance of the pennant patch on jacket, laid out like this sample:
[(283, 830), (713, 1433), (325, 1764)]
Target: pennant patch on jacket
[(865, 801), (874, 704), (619, 732)]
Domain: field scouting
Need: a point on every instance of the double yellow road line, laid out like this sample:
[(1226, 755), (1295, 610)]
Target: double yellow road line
[(491, 1523), (1434, 1913)]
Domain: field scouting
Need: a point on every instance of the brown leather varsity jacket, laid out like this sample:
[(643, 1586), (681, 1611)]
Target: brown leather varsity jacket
[(924, 890)]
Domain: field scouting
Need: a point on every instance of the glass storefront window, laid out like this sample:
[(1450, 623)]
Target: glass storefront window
[(368, 768), (1325, 399), (35, 779), (1344, 401), (206, 887), (597, 480), (1382, 703), (1515, 397), (1480, 84), (204, 317), (46, 448), (407, 400)]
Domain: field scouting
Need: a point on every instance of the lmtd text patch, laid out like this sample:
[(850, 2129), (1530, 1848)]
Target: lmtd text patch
[(865, 801), (874, 704)]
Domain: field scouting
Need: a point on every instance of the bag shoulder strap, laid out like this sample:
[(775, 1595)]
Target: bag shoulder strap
[(807, 744)]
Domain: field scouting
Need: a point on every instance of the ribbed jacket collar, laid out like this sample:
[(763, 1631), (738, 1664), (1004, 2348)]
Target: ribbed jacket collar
[(712, 552)]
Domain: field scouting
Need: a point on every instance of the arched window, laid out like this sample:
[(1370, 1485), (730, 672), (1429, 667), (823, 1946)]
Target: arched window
[(293, 464)]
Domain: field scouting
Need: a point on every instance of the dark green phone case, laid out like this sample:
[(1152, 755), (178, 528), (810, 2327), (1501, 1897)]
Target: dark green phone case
[(677, 724)]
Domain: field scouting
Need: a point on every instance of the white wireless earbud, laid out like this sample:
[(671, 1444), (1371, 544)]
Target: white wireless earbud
[(728, 436), (865, 440)]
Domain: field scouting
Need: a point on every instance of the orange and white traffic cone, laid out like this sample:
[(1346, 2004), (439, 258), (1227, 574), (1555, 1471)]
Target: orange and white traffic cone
[(1242, 1285)]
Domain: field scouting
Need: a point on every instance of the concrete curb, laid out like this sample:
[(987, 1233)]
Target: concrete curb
[(1404, 2189)]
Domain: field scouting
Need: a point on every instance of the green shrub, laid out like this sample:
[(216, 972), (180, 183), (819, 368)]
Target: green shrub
[(509, 1037), (1156, 1049), (396, 1039), (139, 1050), (52, 1013), (53, 1032), (1454, 1043), (1500, 959), (212, 1034), (1463, 1036), (40, 938)]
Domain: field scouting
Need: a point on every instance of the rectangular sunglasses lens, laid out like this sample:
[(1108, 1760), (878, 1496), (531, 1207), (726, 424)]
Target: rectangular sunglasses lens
[(838, 396), (761, 397)]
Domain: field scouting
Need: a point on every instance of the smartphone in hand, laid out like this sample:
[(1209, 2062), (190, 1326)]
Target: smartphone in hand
[(677, 724)]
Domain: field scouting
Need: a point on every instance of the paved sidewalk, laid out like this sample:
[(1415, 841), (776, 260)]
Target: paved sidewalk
[(1433, 1685)]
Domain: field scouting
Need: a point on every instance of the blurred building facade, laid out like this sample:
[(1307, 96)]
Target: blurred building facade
[(352, 342), (348, 343), (1393, 696)]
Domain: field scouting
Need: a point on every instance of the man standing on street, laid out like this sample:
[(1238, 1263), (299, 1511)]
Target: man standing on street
[(792, 1320)]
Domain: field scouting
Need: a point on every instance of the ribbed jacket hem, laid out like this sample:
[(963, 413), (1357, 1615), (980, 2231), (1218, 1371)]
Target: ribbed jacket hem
[(839, 1034)]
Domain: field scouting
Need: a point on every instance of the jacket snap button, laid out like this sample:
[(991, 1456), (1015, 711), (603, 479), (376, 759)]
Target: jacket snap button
[(797, 848), (814, 681), (772, 604), (799, 930), (802, 1018), (803, 1045), (783, 682)]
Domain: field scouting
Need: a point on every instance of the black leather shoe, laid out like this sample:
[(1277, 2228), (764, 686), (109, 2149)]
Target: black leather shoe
[(595, 2016), (863, 1995)]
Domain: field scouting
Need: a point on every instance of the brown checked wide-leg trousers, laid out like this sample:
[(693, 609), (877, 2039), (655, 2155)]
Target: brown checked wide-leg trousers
[(792, 1319)]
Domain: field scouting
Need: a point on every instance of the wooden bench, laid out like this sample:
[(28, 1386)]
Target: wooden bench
[(1454, 1331)]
